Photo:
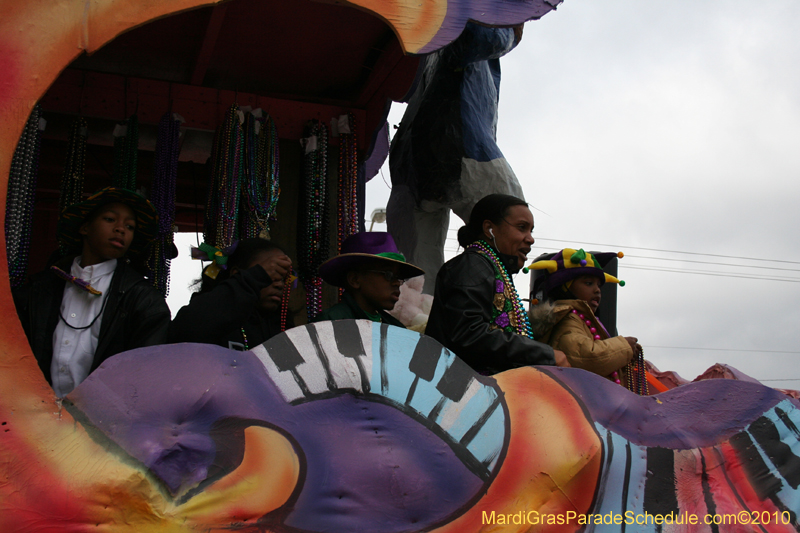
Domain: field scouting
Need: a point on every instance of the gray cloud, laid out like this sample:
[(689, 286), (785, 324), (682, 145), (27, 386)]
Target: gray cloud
[(673, 126)]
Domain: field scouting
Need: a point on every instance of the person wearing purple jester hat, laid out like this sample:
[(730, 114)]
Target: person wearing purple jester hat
[(569, 288)]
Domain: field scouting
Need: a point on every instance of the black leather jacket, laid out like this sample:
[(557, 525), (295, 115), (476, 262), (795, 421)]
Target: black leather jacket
[(462, 311), (135, 314), (219, 315)]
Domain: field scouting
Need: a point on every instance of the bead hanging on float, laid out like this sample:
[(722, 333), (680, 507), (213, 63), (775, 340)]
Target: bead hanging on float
[(126, 154), (348, 182), (165, 176), (22, 179), (260, 184), (224, 188), (312, 224), (289, 283), (75, 166)]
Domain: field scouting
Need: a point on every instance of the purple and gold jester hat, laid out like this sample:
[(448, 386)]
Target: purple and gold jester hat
[(569, 264)]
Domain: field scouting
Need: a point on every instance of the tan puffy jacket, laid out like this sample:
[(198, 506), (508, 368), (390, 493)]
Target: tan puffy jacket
[(555, 324)]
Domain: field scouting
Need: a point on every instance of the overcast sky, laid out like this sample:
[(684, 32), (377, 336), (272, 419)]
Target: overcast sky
[(672, 126)]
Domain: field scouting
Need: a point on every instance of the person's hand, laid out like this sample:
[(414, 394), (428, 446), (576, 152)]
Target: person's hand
[(276, 265), (561, 358), (635, 346)]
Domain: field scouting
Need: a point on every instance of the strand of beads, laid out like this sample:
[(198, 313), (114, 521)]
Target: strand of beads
[(22, 180), (165, 176), (244, 338), (126, 154), (348, 183), (312, 233), (637, 375), (250, 185), (75, 166), (504, 286), (273, 167), (260, 181), (287, 291), (224, 188)]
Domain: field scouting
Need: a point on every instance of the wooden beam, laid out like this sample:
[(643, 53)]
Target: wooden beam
[(209, 43), (391, 55), (203, 108)]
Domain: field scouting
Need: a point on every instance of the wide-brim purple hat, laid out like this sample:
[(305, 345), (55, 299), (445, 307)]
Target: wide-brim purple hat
[(365, 247)]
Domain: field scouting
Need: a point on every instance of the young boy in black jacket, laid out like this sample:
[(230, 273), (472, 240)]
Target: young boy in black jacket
[(88, 307)]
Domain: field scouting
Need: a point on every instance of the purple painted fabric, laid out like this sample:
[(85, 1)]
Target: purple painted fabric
[(368, 466), (488, 13), (691, 416)]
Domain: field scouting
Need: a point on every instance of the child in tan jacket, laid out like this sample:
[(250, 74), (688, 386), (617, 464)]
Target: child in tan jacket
[(565, 319)]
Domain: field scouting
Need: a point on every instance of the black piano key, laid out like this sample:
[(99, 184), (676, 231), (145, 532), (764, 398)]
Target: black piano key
[(708, 497), (284, 353), (660, 495), (322, 356), (765, 484), (787, 421), (384, 355), (350, 344), (781, 455), (425, 358), (348, 338), (456, 380)]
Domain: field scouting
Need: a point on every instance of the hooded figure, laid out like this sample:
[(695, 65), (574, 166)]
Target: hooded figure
[(445, 154)]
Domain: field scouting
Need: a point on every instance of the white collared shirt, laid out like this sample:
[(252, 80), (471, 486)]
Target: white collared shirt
[(73, 349)]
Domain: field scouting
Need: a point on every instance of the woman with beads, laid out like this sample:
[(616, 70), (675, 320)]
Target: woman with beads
[(476, 310), (238, 305)]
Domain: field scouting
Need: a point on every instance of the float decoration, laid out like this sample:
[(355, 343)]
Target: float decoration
[(225, 182), (444, 155), (261, 175), (355, 426), (21, 194), (74, 172), (165, 177), (126, 154), (313, 214)]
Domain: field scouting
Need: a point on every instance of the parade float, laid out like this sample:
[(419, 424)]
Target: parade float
[(338, 426)]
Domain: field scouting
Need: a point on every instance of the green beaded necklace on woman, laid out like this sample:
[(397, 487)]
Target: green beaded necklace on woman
[(508, 312)]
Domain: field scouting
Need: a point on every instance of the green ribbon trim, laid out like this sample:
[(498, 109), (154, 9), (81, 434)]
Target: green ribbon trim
[(392, 255), (214, 254)]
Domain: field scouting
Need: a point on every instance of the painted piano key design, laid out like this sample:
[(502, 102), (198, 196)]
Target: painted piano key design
[(412, 372), (756, 471), (354, 426)]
